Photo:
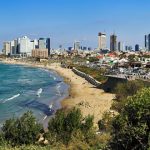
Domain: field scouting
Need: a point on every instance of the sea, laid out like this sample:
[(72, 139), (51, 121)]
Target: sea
[(25, 89)]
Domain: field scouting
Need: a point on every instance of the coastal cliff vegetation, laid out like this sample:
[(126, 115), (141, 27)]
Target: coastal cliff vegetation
[(68, 129), (96, 74)]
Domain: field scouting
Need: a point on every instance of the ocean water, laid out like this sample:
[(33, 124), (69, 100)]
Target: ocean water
[(25, 88)]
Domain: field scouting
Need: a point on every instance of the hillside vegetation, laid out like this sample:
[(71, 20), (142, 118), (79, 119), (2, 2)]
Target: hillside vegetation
[(129, 129)]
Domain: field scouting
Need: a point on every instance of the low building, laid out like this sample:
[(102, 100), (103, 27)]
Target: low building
[(40, 53)]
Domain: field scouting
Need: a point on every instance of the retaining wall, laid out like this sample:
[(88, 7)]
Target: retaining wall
[(108, 86), (87, 77)]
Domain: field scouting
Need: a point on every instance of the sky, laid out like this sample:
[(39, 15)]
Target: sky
[(65, 21)]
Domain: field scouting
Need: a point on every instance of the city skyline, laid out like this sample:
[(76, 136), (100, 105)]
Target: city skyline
[(64, 21)]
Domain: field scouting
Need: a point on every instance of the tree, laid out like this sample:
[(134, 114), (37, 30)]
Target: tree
[(22, 130), (131, 128), (66, 123)]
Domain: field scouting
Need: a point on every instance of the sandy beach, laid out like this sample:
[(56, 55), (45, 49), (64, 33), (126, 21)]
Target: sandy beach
[(83, 95)]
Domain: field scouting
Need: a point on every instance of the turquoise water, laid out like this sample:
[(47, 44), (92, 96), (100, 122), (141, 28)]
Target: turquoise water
[(24, 88)]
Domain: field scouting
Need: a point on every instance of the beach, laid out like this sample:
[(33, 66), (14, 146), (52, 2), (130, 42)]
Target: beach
[(82, 94)]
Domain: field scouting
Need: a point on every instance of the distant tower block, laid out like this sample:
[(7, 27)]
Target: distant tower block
[(77, 45), (101, 41), (113, 43)]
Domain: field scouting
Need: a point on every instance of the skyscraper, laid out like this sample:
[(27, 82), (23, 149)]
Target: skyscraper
[(13, 48), (6, 48), (101, 41), (77, 45), (44, 43), (113, 42), (147, 42), (120, 46), (26, 46), (137, 47), (48, 45)]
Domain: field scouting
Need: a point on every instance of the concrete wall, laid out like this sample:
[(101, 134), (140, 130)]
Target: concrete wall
[(108, 86), (87, 77)]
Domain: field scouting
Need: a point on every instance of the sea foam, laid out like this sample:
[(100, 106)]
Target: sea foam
[(11, 98)]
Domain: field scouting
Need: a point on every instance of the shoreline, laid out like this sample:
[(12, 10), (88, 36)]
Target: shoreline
[(82, 94)]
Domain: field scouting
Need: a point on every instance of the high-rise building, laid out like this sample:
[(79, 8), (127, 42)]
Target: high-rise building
[(113, 42), (89, 48), (13, 49), (120, 46), (147, 42), (77, 45), (137, 47), (84, 48), (48, 45), (44, 43), (70, 48), (6, 48), (34, 44), (128, 48), (123, 46), (26, 46), (101, 41), (18, 46)]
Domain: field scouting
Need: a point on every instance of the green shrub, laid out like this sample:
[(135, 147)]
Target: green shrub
[(123, 90), (131, 128), (21, 131), (105, 123), (96, 74), (65, 124)]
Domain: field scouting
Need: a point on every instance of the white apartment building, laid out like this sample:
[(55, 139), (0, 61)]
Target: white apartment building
[(6, 48), (34, 44), (26, 46)]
